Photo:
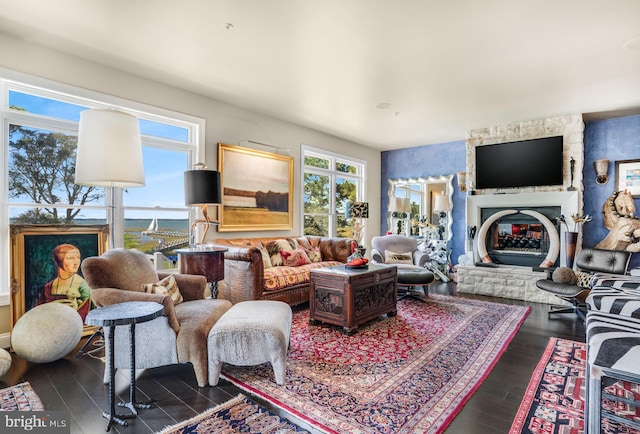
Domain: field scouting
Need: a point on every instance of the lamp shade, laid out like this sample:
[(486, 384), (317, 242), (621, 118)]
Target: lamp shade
[(202, 187), (400, 204), (442, 203), (109, 152), (358, 210)]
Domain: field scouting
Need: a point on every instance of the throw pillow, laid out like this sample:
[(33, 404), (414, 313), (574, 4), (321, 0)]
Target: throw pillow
[(397, 258), (275, 247), (314, 254), (295, 258), (564, 275), (166, 286), (583, 279)]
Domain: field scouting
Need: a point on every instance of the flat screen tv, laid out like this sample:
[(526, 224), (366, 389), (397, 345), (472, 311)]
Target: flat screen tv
[(527, 163)]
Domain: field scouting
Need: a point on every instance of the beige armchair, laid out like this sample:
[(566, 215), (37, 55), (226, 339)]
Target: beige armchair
[(179, 336)]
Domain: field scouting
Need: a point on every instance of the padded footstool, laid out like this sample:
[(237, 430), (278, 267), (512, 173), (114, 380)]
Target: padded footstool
[(414, 276), (251, 333)]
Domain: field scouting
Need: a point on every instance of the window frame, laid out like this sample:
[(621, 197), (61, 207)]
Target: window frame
[(359, 179), (12, 81)]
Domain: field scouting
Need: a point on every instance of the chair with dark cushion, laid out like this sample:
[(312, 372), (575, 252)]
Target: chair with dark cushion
[(575, 286), (403, 252)]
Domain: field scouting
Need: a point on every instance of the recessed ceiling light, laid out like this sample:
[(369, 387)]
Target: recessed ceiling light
[(383, 105), (632, 45)]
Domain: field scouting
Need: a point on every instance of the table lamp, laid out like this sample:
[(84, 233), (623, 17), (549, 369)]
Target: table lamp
[(202, 187), (109, 152), (358, 211), (400, 208), (441, 206)]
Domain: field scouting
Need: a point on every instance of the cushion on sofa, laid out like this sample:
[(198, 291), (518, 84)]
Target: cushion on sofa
[(275, 247), (282, 277), (296, 258)]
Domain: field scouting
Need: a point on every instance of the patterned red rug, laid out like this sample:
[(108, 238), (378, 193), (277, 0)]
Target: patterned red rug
[(409, 373), (20, 397), (554, 400)]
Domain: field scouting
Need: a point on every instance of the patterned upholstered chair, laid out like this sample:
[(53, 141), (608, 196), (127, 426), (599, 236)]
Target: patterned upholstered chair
[(179, 336), (613, 346)]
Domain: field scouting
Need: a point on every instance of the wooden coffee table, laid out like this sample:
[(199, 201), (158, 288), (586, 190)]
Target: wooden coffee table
[(350, 297)]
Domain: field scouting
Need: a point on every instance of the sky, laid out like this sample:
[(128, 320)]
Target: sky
[(164, 169)]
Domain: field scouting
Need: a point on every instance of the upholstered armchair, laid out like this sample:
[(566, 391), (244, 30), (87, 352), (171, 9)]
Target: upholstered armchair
[(121, 275), (383, 246), (403, 252), (574, 286)]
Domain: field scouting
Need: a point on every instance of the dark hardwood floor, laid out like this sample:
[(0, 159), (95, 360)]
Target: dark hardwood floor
[(75, 384)]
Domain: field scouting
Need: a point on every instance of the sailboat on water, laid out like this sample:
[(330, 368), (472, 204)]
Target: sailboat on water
[(153, 227)]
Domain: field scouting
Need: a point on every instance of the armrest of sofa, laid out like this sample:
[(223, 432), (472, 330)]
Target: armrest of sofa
[(243, 274), (102, 297)]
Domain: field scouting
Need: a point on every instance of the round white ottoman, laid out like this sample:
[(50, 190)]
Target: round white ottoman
[(251, 333), (46, 333), (5, 361)]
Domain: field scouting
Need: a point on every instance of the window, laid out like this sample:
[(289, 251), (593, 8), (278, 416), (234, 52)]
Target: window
[(330, 182), (40, 128)]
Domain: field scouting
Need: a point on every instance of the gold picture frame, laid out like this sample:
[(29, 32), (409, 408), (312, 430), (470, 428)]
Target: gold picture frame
[(257, 190), (37, 255)]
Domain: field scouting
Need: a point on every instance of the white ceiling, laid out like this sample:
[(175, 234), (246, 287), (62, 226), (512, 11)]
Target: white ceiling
[(444, 66)]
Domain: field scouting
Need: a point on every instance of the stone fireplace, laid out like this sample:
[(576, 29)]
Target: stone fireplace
[(516, 229)]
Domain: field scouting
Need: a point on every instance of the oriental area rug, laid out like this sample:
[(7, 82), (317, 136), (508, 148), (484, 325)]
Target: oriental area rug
[(412, 372), (554, 400), (238, 415), (20, 397)]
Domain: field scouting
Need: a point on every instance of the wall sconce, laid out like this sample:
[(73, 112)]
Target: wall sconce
[(602, 171), (462, 181)]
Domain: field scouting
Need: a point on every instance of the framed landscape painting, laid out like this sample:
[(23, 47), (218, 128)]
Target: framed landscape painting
[(628, 176), (257, 190), (45, 266)]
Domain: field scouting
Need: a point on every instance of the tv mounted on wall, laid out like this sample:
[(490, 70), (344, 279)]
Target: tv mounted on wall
[(526, 163)]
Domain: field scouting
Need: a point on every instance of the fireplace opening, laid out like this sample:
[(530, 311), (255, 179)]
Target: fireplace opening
[(519, 238)]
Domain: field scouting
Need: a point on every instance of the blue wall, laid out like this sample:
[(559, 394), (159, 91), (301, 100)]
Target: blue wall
[(613, 139), (423, 161)]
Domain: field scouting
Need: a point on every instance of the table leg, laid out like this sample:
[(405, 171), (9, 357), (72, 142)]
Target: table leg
[(213, 287), (132, 405), (112, 416)]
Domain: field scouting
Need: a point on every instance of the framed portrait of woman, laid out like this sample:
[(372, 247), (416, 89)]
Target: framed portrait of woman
[(45, 266)]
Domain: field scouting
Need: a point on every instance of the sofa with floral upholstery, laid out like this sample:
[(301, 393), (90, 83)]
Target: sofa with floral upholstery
[(276, 268)]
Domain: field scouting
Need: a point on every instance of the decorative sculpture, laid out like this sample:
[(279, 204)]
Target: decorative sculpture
[(619, 217)]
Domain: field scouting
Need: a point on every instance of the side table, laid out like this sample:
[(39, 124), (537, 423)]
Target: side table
[(128, 313), (205, 261)]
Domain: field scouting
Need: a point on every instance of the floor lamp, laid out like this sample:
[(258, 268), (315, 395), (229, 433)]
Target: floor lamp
[(108, 154)]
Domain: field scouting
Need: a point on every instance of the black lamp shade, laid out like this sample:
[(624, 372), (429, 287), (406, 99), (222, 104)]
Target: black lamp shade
[(202, 187)]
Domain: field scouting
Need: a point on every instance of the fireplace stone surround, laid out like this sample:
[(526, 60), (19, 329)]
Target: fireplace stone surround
[(512, 281)]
